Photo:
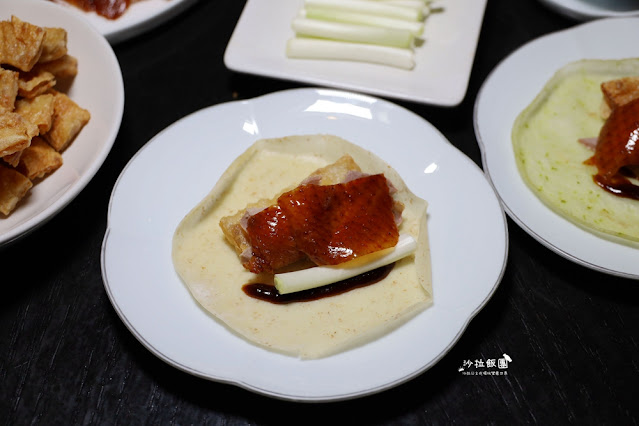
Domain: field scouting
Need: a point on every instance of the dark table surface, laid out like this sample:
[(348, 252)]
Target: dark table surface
[(67, 358)]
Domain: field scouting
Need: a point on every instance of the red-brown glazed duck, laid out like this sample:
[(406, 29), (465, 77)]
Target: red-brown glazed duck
[(329, 224), (617, 151)]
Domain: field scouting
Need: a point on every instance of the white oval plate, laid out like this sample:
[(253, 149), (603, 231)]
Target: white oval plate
[(141, 16), (99, 88), (510, 88), (179, 166), (593, 9), (440, 76)]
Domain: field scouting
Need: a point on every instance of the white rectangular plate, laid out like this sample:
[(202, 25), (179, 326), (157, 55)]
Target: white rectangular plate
[(443, 62)]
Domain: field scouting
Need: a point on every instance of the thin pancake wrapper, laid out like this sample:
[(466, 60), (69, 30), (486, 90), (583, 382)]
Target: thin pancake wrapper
[(550, 158), (212, 271)]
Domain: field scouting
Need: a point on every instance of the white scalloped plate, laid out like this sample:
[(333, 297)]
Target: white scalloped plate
[(509, 89), (179, 166)]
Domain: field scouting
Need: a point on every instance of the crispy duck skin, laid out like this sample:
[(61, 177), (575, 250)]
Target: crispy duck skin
[(314, 220), (328, 223), (272, 241), (617, 150), (234, 226)]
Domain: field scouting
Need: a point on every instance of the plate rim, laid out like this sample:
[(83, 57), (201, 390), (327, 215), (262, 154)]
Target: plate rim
[(478, 305), (583, 15)]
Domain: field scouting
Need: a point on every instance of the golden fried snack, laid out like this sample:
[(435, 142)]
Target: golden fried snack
[(68, 120), (20, 43), (37, 119), (35, 83), (54, 45), (15, 133), (13, 159), (39, 159), (38, 110), (8, 89), (13, 187), (64, 67)]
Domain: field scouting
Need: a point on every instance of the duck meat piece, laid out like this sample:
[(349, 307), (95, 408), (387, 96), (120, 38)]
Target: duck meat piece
[(271, 244), (618, 92), (271, 241), (329, 224), (617, 151)]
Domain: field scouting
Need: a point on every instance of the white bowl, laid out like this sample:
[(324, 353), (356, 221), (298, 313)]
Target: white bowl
[(98, 87)]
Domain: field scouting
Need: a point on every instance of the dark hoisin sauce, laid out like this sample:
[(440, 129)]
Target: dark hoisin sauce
[(619, 186), (268, 292)]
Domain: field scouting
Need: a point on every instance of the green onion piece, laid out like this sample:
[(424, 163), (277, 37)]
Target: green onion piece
[(370, 7), (305, 279), (352, 32), (415, 4), (310, 48), (416, 28)]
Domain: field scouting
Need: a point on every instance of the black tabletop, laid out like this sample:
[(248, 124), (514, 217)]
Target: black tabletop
[(67, 358)]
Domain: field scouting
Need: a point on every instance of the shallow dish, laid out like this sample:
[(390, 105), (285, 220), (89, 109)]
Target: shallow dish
[(148, 203), (99, 88), (440, 76), (593, 9), (141, 16), (508, 90)]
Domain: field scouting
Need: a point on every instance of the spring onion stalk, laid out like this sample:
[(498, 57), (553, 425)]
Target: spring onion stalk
[(310, 48), (416, 4), (415, 27), (367, 6), (352, 32), (305, 279), (408, 2)]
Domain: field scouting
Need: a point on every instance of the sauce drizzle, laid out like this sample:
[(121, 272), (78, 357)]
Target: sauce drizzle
[(268, 292), (110, 9), (619, 186)]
